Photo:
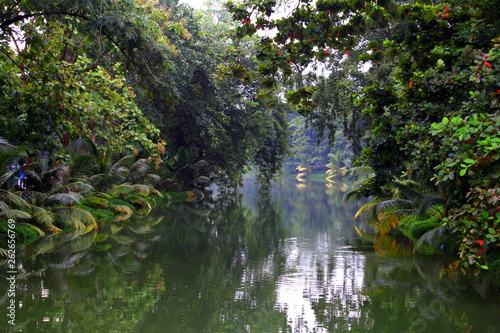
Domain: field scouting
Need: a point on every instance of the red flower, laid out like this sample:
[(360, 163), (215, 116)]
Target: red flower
[(411, 84), (480, 242), (326, 51), (446, 8), (487, 64), (346, 51)]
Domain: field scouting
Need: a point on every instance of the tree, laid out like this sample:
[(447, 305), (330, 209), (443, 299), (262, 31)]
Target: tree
[(443, 78), (216, 116), (64, 77)]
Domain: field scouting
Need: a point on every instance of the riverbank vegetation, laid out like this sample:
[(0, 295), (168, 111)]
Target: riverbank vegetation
[(108, 108), (418, 97), (108, 104)]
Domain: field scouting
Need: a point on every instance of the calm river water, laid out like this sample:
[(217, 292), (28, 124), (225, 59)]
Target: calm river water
[(287, 262)]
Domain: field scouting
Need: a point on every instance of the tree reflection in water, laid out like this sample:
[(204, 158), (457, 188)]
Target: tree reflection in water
[(290, 261)]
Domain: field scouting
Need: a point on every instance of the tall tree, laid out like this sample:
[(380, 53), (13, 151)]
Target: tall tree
[(65, 65), (432, 116), (216, 116)]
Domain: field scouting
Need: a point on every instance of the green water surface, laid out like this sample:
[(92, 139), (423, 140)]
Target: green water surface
[(287, 262)]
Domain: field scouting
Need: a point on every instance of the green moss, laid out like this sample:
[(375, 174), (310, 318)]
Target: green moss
[(415, 228), (96, 202), (100, 214), (24, 234)]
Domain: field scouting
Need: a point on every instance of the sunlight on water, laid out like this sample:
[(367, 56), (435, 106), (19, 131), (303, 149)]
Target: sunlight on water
[(313, 280)]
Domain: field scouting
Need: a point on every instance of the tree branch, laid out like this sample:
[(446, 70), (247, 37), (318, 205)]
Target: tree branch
[(7, 23)]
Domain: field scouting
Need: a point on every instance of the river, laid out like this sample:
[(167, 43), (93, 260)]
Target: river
[(290, 261)]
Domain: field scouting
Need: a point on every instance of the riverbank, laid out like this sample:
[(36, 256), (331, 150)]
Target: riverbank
[(102, 209)]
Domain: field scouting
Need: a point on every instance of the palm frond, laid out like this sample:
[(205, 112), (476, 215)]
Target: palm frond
[(122, 209), (144, 190), (385, 215), (96, 201), (4, 254), (432, 236), (5, 210), (124, 162), (32, 227), (83, 165), (369, 207), (119, 176), (13, 199), (200, 180), (156, 192), (389, 220), (83, 147), (33, 197), (5, 146), (20, 214), (364, 235), (407, 189), (355, 194), (199, 165), (55, 176), (77, 187), (360, 171), (138, 169), (78, 244), (99, 179), (122, 239), (70, 198), (429, 201), (76, 217), (32, 177), (44, 218), (138, 201), (394, 204), (122, 190), (148, 178)]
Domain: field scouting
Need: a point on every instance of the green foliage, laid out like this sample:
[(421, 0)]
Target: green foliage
[(415, 227), (177, 196), (24, 234), (78, 99), (430, 98), (119, 202)]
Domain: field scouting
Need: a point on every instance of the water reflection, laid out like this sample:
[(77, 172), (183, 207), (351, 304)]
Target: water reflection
[(287, 262)]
